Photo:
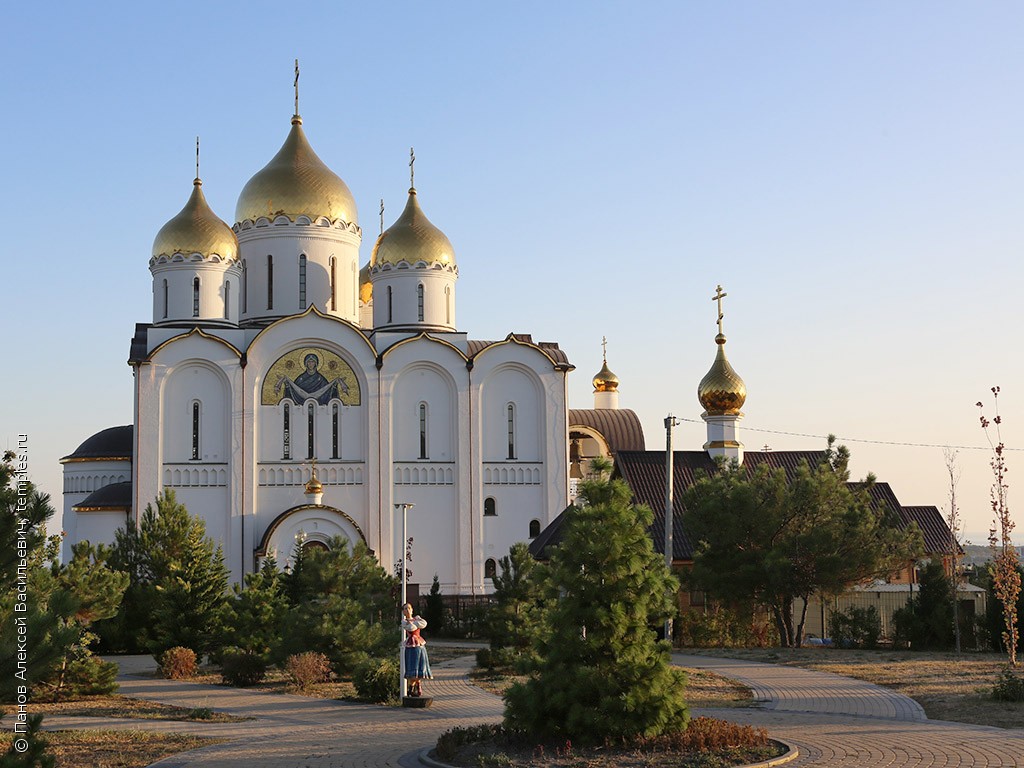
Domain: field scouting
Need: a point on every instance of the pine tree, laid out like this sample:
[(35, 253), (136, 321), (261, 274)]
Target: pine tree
[(433, 611), (255, 617), (513, 621), (600, 671)]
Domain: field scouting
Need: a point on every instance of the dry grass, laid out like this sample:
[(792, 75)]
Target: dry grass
[(948, 687), (113, 749), (124, 706), (703, 689)]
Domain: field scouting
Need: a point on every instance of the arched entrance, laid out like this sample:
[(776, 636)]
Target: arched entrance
[(312, 525)]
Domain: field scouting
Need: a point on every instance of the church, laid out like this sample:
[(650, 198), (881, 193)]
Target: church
[(289, 395)]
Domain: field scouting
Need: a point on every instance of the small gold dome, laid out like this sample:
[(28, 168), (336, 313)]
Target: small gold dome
[(722, 391), (605, 380), (296, 183), (196, 229), (412, 238), (365, 286), (314, 486)]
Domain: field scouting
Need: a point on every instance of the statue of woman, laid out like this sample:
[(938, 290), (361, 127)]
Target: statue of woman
[(417, 665)]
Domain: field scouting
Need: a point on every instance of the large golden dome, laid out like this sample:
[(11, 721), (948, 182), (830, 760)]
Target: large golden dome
[(196, 229), (413, 238), (722, 391), (605, 380), (296, 183)]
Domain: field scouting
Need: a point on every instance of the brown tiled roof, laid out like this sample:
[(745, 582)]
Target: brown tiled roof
[(644, 472), (475, 346), (934, 528), (620, 427)]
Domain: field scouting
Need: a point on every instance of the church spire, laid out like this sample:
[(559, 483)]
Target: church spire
[(722, 393), (606, 383)]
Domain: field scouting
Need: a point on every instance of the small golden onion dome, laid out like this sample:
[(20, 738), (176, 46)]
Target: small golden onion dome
[(605, 380), (196, 229), (412, 238), (314, 486), (365, 286), (296, 183), (722, 391)]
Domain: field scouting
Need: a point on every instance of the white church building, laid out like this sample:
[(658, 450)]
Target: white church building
[(289, 396)]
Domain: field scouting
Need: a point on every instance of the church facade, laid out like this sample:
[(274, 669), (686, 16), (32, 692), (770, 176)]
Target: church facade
[(290, 397)]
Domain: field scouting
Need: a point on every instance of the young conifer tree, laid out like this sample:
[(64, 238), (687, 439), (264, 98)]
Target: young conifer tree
[(600, 671)]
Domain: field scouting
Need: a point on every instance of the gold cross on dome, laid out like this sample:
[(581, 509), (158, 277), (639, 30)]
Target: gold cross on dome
[(412, 169), (382, 215), (604, 348), (718, 297), (296, 86)]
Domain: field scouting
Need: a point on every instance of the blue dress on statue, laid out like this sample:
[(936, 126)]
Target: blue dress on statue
[(417, 665)]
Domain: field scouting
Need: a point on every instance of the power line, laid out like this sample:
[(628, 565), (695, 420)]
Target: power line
[(863, 440)]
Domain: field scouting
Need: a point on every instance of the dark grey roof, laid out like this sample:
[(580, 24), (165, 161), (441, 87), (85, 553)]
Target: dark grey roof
[(139, 349), (113, 496), (110, 443), (934, 528), (475, 346), (620, 427), (644, 472)]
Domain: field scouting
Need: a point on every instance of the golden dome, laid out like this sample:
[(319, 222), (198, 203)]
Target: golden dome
[(722, 391), (412, 238), (196, 229), (605, 380), (365, 286), (296, 183), (314, 486)]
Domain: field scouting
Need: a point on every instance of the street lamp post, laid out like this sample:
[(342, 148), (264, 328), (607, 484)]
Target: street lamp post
[(670, 421), (402, 685)]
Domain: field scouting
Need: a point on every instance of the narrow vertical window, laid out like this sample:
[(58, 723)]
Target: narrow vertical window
[(195, 431), (334, 285), (490, 507), (287, 429), (389, 304), (195, 297), (302, 281), (534, 529), (227, 300), (510, 411), (423, 430), (334, 431), (448, 305), (490, 569), (270, 282), (310, 435), (419, 302), (245, 288), (165, 298)]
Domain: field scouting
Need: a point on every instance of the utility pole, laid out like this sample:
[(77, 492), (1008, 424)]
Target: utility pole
[(670, 421)]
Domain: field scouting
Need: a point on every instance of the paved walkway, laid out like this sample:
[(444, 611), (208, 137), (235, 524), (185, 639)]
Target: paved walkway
[(833, 720)]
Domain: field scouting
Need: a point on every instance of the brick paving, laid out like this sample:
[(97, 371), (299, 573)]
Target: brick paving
[(833, 720)]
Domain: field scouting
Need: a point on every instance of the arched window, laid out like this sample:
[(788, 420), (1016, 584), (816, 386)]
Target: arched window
[(302, 281), (195, 297), (165, 298), (195, 430), (270, 282), (227, 300), (490, 507), (419, 302), (334, 431), (510, 412), (423, 430), (245, 288), (286, 429), (334, 285), (534, 529), (310, 434), (490, 569), (390, 304), (448, 304)]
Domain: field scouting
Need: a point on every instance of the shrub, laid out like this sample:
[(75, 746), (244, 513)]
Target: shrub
[(450, 741), (307, 669), (1009, 686), (725, 627), (855, 628), (90, 676), (242, 668), (497, 658), (377, 680), (178, 663)]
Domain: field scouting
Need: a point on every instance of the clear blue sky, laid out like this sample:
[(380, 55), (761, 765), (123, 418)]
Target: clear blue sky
[(851, 173)]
